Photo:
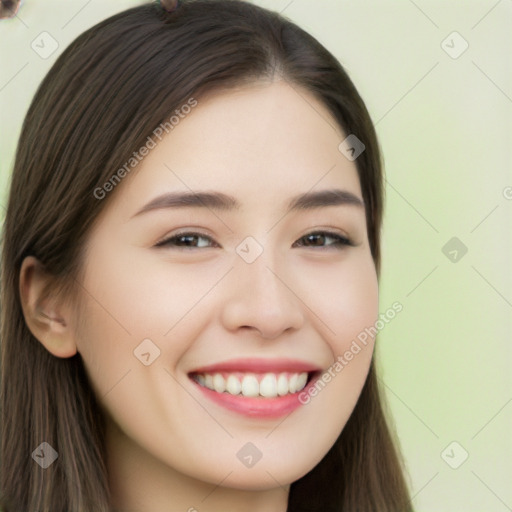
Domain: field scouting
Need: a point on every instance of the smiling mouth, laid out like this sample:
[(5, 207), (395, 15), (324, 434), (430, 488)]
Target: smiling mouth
[(258, 388), (253, 384)]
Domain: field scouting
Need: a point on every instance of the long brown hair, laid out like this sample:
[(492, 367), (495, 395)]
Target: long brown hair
[(98, 103)]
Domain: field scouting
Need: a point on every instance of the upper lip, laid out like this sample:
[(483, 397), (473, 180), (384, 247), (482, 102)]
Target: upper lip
[(258, 365)]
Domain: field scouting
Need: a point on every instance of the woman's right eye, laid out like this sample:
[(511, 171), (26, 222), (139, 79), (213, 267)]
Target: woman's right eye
[(184, 240)]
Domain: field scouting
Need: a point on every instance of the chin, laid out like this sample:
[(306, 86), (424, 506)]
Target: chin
[(263, 477)]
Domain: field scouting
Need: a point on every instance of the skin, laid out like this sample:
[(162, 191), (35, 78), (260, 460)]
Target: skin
[(169, 447)]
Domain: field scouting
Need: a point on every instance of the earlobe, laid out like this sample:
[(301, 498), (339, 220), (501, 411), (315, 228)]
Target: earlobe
[(47, 317)]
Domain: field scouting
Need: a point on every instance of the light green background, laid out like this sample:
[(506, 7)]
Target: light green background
[(445, 127)]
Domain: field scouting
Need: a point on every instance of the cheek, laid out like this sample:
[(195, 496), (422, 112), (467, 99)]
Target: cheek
[(129, 301), (153, 294), (358, 305), (347, 304), (343, 296)]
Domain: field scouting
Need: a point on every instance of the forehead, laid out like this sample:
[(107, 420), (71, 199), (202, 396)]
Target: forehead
[(257, 142)]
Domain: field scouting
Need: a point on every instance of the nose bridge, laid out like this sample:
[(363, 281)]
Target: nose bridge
[(262, 278), (259, 296)]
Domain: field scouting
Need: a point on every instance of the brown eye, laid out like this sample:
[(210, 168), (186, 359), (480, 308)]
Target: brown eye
[(184, 240), (318, 239)]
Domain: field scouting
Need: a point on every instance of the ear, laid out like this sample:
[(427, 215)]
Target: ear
[(48, 318)]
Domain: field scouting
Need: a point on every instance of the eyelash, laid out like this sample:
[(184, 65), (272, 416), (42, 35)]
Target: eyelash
[(340, 240)]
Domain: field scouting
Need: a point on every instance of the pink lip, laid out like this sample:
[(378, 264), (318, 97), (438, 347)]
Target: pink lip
[(260, 365), (258, 407)]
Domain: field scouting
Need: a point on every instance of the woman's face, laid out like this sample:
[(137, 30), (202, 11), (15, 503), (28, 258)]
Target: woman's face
[(254, 297)]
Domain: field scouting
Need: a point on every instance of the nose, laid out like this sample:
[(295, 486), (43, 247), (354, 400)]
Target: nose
[(262, 298)]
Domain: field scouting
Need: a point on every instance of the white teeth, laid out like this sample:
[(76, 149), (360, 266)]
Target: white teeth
[(219, 384), (250, 386), (270, 385), (301, 381), (233, 386), (282, 385), (293, 383), (208, 381)]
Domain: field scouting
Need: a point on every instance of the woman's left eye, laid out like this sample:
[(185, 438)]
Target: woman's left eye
[(313, 239), (317, 237)]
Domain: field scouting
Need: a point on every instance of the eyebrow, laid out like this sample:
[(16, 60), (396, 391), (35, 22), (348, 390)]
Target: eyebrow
[(224, 202)]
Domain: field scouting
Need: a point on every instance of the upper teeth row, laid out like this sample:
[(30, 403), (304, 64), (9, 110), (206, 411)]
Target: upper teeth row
[(271, 385)]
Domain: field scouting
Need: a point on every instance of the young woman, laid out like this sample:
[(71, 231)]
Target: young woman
[(190, 265)]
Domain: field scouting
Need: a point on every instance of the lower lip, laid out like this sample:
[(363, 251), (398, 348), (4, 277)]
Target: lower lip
[(258, 407)]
